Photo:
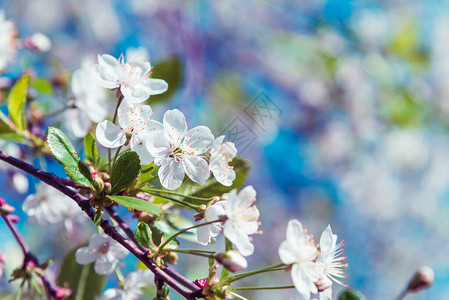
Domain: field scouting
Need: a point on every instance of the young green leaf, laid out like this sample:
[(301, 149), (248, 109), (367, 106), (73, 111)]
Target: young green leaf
[(147, 173), (16, 102), (137, 203), (84, 169), (97, 217), (42, 85), (84, 282), (90, 148), (125, 171), (350, 294), (63, 151), (142, 234), (162, 231)]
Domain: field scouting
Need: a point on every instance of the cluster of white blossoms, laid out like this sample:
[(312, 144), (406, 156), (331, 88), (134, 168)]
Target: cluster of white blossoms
[(312, 270), (49, 206), (8, 41), (170, 144)]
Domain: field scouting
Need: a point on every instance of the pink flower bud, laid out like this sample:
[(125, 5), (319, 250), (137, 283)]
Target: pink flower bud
[(13, 218), (37, 42), (232, 260), (422, 279), (63, 293), (323, 284), (2, 202)]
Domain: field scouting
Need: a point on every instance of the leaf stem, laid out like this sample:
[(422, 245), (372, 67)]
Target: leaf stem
[(116, 154), (182, 203), (255, 272), (149, 190), (113, 121)]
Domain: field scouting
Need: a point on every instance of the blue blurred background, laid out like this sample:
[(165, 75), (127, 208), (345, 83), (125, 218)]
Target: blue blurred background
[(342, 108)]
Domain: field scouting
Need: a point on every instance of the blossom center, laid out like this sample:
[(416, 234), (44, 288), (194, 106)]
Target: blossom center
[(104, 248)]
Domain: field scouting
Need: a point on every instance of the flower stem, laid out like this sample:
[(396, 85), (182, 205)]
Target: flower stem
[(149, 190), (116, 155), (182, 203), (250, 288), (192, 251), (255, 272), (161, 247)]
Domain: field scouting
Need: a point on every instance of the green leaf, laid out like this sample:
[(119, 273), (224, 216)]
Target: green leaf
[(125, 171), (82, 280), (161, 229), (97, 217), (90, 148), (212, 187), (350, 294), (137, 203), (16, 102), (171, 71), (142, 234), (84, 169), (147, 173), (42, 85), (63, 151)]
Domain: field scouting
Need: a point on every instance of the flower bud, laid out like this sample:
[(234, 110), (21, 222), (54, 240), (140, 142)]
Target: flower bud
[(107, 187), (63, 293), (232, 260), (37, 42), (171, 258), (422, 279), (323, 284), (98, 184)]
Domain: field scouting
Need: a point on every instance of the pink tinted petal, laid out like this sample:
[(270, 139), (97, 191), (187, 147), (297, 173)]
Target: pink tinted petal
[(84, 256)]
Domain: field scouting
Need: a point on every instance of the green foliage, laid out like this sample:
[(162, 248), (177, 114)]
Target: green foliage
[(137, 203), (97, 217), (90, 148), (16, 102), (349, 294), (82, 280), (142, 234), (84, 169), (42, 85), (63, 151), (403, 109), (212, 187), (147, 173), (171, 71), (162, 231), (125, 171)]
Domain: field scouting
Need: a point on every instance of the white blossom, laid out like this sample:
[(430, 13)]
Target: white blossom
[(331, 260), (132, 78), (8, 38), (207, 232), (299, 251), (221, 154), (178, 151), (89, 104), (242, 219), (104, 251), (135, 124), (132, 290)]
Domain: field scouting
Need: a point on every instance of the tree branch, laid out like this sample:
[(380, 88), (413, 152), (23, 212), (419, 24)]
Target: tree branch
[(56, 182)]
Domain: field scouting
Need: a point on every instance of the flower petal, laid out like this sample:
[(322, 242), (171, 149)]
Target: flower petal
[(328, 240), (77, 122), (239, 238), (84, 256), (203, 234), (138, 144), (136, 94), (171, 174), (158, 145), (286, 253), (197, 169), (175, 126), (157, 86), (105, 264), (110, 135), (199, 139)]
